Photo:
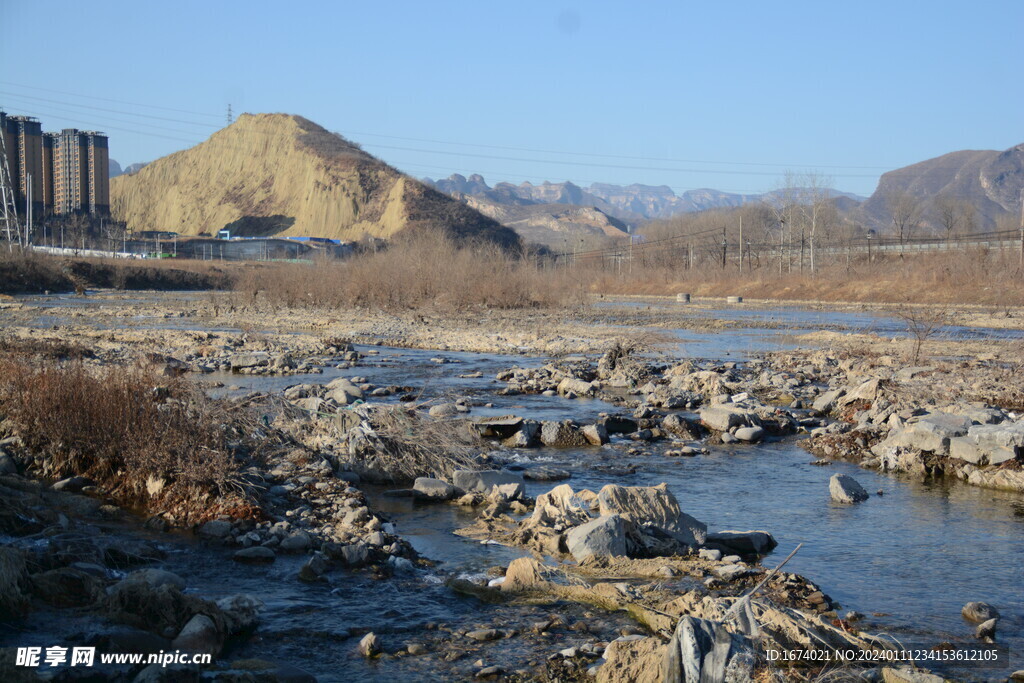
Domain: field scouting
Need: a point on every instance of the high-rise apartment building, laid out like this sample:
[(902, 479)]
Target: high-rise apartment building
[(69, 171), (24, 143)]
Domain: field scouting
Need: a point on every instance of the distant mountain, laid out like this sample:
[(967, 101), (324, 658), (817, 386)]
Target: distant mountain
[(136, 167), (279, 174), (115, 168), (555, 225), (989, 180), (631, 204)]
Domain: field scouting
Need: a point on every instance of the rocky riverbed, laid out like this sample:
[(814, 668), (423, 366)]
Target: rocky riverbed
[(610, 574)]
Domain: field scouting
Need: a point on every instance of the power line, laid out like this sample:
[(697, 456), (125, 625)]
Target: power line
[(107, 99), (69, 113), (611, 156), (105, 109)]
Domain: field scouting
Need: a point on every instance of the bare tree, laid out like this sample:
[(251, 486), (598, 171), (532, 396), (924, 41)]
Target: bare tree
[(952, 213), (905, 210), (815, 207)]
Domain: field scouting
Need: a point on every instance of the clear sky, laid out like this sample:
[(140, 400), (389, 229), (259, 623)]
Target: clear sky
[(728, 95)]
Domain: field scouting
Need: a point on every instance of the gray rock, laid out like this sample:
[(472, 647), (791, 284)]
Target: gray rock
[(73, 484), (296, 542), (729, 572), (561, 435), (244, 361), (353, 556), (509, 491), (484, 634), (845, 489), (443, 410), (199, 635), (749, 434), (157, 577), (370, 645), (546, 473), (681, 427), (603, 537), (652, 506), (217, 528), (979, 611), (742, 542), (710, 554), (986, 630), (315, 567), (723, 416), (426, 488), (575, 386), (255, 555), (826, 402), (595, 434), (7, 464), (482, 481)]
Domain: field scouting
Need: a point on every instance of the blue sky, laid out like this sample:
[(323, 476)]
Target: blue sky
[(728, 95)]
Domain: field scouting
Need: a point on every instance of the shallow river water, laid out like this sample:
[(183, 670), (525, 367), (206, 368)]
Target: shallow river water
[(908, 559)]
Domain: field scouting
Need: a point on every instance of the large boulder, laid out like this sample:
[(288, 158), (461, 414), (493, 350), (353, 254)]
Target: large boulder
[(722, 417), (342, 391), (989, 444), (845, 489), (482, 481), (246, 361), (603, 537), (426, 488), (618, 424), (652, 506), (523, 573), (199, 635), (931, 433), (826, 402), (575, 386), (742, 542), (562, 435), (559, 508), (677, 425)]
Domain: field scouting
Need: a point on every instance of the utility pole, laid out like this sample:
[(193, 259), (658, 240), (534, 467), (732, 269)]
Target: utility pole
[(782, 241), (741, 243), (725, 246), (28, 208), (1022, 230)]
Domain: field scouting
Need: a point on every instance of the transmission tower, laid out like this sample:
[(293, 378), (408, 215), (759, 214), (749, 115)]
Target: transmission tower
[(230, 117), (9, 212)]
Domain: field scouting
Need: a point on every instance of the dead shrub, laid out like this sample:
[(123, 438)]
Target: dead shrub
[(402, 445), (115, 426)]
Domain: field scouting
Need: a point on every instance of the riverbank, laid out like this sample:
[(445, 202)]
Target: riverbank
[(611, 402)]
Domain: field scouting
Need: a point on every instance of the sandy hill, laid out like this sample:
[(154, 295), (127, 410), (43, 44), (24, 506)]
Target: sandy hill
[(278, 174)]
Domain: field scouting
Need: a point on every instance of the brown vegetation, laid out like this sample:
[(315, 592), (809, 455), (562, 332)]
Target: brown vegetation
[(424, 269), (150, 446), (22, 273)]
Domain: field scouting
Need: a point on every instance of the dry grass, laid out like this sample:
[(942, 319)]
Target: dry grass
[(425, 269), (117, 427), (969, 277), (28, 272), (403, 445)]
